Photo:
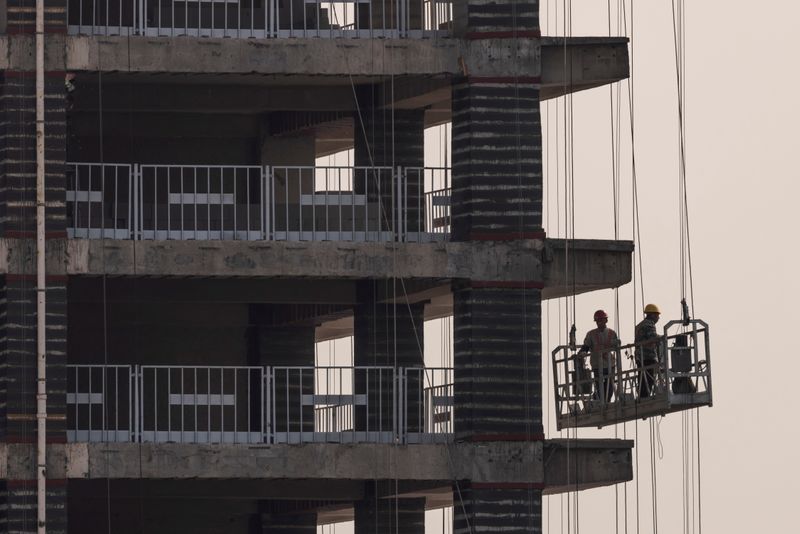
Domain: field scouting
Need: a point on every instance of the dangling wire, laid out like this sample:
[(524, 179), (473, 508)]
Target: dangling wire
[(679, 38)]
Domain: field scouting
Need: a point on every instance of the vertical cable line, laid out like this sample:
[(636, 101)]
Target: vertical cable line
[(104, 278)]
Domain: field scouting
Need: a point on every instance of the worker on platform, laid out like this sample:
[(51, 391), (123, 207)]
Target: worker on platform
[(602, 343), (647, 354)]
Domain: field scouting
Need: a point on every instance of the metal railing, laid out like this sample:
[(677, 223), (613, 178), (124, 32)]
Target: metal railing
[(100, 403), (227, 202), (250, 404), (425, 206), (100, 200), (635, 385), (334, 203), (261, 18), (428, 404), (334, 405), (201, 202), (201, 404)]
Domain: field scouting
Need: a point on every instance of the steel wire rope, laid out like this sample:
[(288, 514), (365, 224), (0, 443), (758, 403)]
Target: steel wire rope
[(134, 236), (615, 201), (636, 229), (546, 204), (686, 268), (104, 278), (569, 202), (679, 36)]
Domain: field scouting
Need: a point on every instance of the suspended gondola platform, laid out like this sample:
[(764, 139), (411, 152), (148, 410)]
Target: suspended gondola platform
[(680, 380)]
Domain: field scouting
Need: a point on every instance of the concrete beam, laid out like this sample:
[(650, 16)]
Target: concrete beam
[(582, 63), (586, 463), (584, 265), (501, 261), (594, 60), (598, 264), (542, 463), (374, 57)]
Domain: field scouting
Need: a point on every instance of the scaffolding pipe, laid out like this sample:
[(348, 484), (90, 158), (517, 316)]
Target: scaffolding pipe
[(41, 357)]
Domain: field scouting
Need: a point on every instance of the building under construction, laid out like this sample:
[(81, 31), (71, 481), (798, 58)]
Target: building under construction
[(194, 254)]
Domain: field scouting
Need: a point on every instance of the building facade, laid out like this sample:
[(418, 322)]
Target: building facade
[(196, 253)]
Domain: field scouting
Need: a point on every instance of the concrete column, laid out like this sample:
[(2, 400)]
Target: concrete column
[(386, 138), (390, 516), (497, 145), (497, 196)]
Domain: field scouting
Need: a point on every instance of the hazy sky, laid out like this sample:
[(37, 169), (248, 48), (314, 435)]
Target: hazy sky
[(741, 120)]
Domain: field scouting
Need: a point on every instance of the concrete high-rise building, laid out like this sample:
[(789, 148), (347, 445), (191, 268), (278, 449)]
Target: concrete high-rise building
[(196, 254)]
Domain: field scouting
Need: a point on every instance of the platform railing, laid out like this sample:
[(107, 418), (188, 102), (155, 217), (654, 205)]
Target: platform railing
[(239, 202), (261, 18), (635, 385)]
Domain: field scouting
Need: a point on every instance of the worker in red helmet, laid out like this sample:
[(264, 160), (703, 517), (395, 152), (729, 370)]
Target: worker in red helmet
[(602, 343)]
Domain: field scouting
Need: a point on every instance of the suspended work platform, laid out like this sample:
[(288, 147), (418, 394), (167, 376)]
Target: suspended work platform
[(679, 380)]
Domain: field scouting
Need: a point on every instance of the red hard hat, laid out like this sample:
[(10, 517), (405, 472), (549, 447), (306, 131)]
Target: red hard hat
[(600, 314)]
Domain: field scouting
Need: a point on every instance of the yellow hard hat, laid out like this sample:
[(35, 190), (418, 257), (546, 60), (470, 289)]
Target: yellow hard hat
[(651, 308)]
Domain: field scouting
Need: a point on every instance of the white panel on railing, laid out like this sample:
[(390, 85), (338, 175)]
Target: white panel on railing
[(202, 404), (99, 403), (100, 201), (333, 405), (333, 203), (201, 202)]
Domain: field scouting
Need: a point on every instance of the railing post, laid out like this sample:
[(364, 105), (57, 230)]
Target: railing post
[(400, 217), (136, 437)]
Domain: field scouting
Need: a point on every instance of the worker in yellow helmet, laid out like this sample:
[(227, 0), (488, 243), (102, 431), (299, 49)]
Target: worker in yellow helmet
[(602, 343), (647, 350)]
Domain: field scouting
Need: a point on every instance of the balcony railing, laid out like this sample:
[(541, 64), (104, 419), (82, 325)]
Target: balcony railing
[(191, 202), (228, 404), (262, 18)]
